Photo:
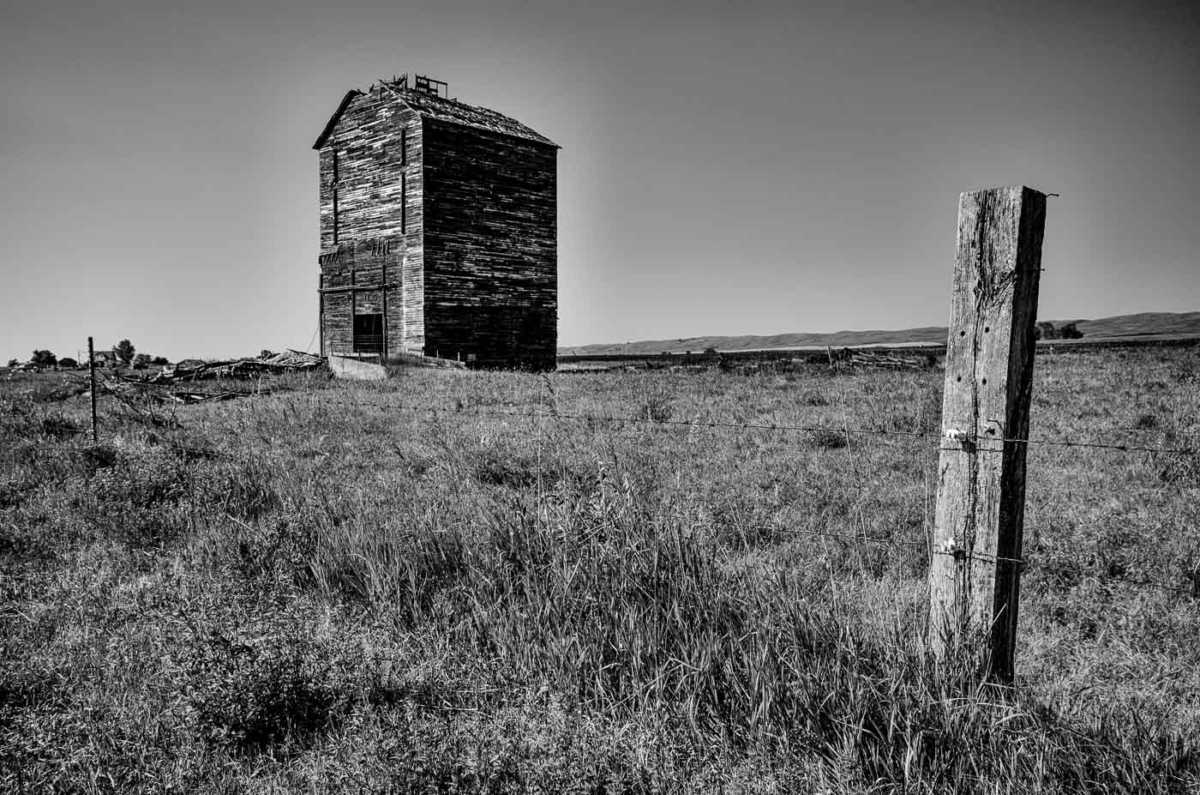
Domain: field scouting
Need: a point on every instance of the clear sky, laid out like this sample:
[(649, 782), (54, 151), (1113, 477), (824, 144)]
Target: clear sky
[(727, 167)]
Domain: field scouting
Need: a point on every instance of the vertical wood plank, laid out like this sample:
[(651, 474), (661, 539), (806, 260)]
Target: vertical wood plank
[(334, 188), (974, 576), (384, 290)]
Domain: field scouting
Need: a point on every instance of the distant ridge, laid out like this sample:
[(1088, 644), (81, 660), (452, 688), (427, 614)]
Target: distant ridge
[(1174, 324)]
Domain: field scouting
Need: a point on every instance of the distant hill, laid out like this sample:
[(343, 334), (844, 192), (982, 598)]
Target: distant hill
[(1174, 324)]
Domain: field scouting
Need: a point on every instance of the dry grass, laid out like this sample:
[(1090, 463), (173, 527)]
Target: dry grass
[(333, 588)]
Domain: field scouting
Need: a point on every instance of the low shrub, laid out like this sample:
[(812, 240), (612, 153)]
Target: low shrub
[(829, 439), (264, 684), (144, 499)]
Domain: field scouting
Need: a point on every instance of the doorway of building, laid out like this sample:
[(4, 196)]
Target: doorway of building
[(368, 333)]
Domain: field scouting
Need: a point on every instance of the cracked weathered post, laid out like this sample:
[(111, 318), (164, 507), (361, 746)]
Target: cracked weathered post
[(974, 576)]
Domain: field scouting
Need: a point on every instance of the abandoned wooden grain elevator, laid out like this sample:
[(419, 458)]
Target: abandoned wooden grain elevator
[(438, 230)]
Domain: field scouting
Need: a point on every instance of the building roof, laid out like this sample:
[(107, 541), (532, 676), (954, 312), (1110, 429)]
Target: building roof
[(432, 106)]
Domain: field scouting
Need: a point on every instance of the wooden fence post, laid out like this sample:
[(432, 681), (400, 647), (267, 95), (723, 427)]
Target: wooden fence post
[(92, 371), (974, 576)]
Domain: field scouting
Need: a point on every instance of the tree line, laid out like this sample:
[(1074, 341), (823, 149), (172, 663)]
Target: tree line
[(121, 354)]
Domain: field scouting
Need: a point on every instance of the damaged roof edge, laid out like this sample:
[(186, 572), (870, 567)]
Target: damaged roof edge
[(337, 114), (510, 126)]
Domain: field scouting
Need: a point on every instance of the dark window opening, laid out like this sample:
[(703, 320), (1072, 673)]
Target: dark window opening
[(368, 333), (403, 146), (403, 203)]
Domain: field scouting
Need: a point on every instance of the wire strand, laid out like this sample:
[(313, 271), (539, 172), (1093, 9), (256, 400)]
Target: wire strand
[(1125, 448), (790, 427)]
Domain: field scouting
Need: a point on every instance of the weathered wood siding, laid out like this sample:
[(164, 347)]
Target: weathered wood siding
[(371, 224), (446, 229), (357, 278), (490, 246), (375, 141)]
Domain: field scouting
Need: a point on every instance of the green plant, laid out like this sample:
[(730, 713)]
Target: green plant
[(124, 351), (829, 438), (253, 692), (655, 406), (43, 358)]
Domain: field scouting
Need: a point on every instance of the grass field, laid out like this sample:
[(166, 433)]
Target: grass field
[(333, 588)]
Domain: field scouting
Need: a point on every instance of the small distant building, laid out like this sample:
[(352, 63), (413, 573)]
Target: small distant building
[(438, 230)]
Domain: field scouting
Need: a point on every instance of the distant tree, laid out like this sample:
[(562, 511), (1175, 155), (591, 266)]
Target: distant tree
[(13, 363), (43, 359), (1070, 332), (141, 361), (159, 361), (67, 361), (124, 351), (1046, 331)]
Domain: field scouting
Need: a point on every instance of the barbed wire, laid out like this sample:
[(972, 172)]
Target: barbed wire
[(846, 430), (975, 444), (984, 444), (962, 554), (923, 543), (635, 420), (1125, 448), (843, 537), (1193, 592), (1025, 564)]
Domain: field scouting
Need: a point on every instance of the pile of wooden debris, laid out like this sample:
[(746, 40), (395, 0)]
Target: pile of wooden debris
[(889, 359), (134, 391), (266, 363)]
